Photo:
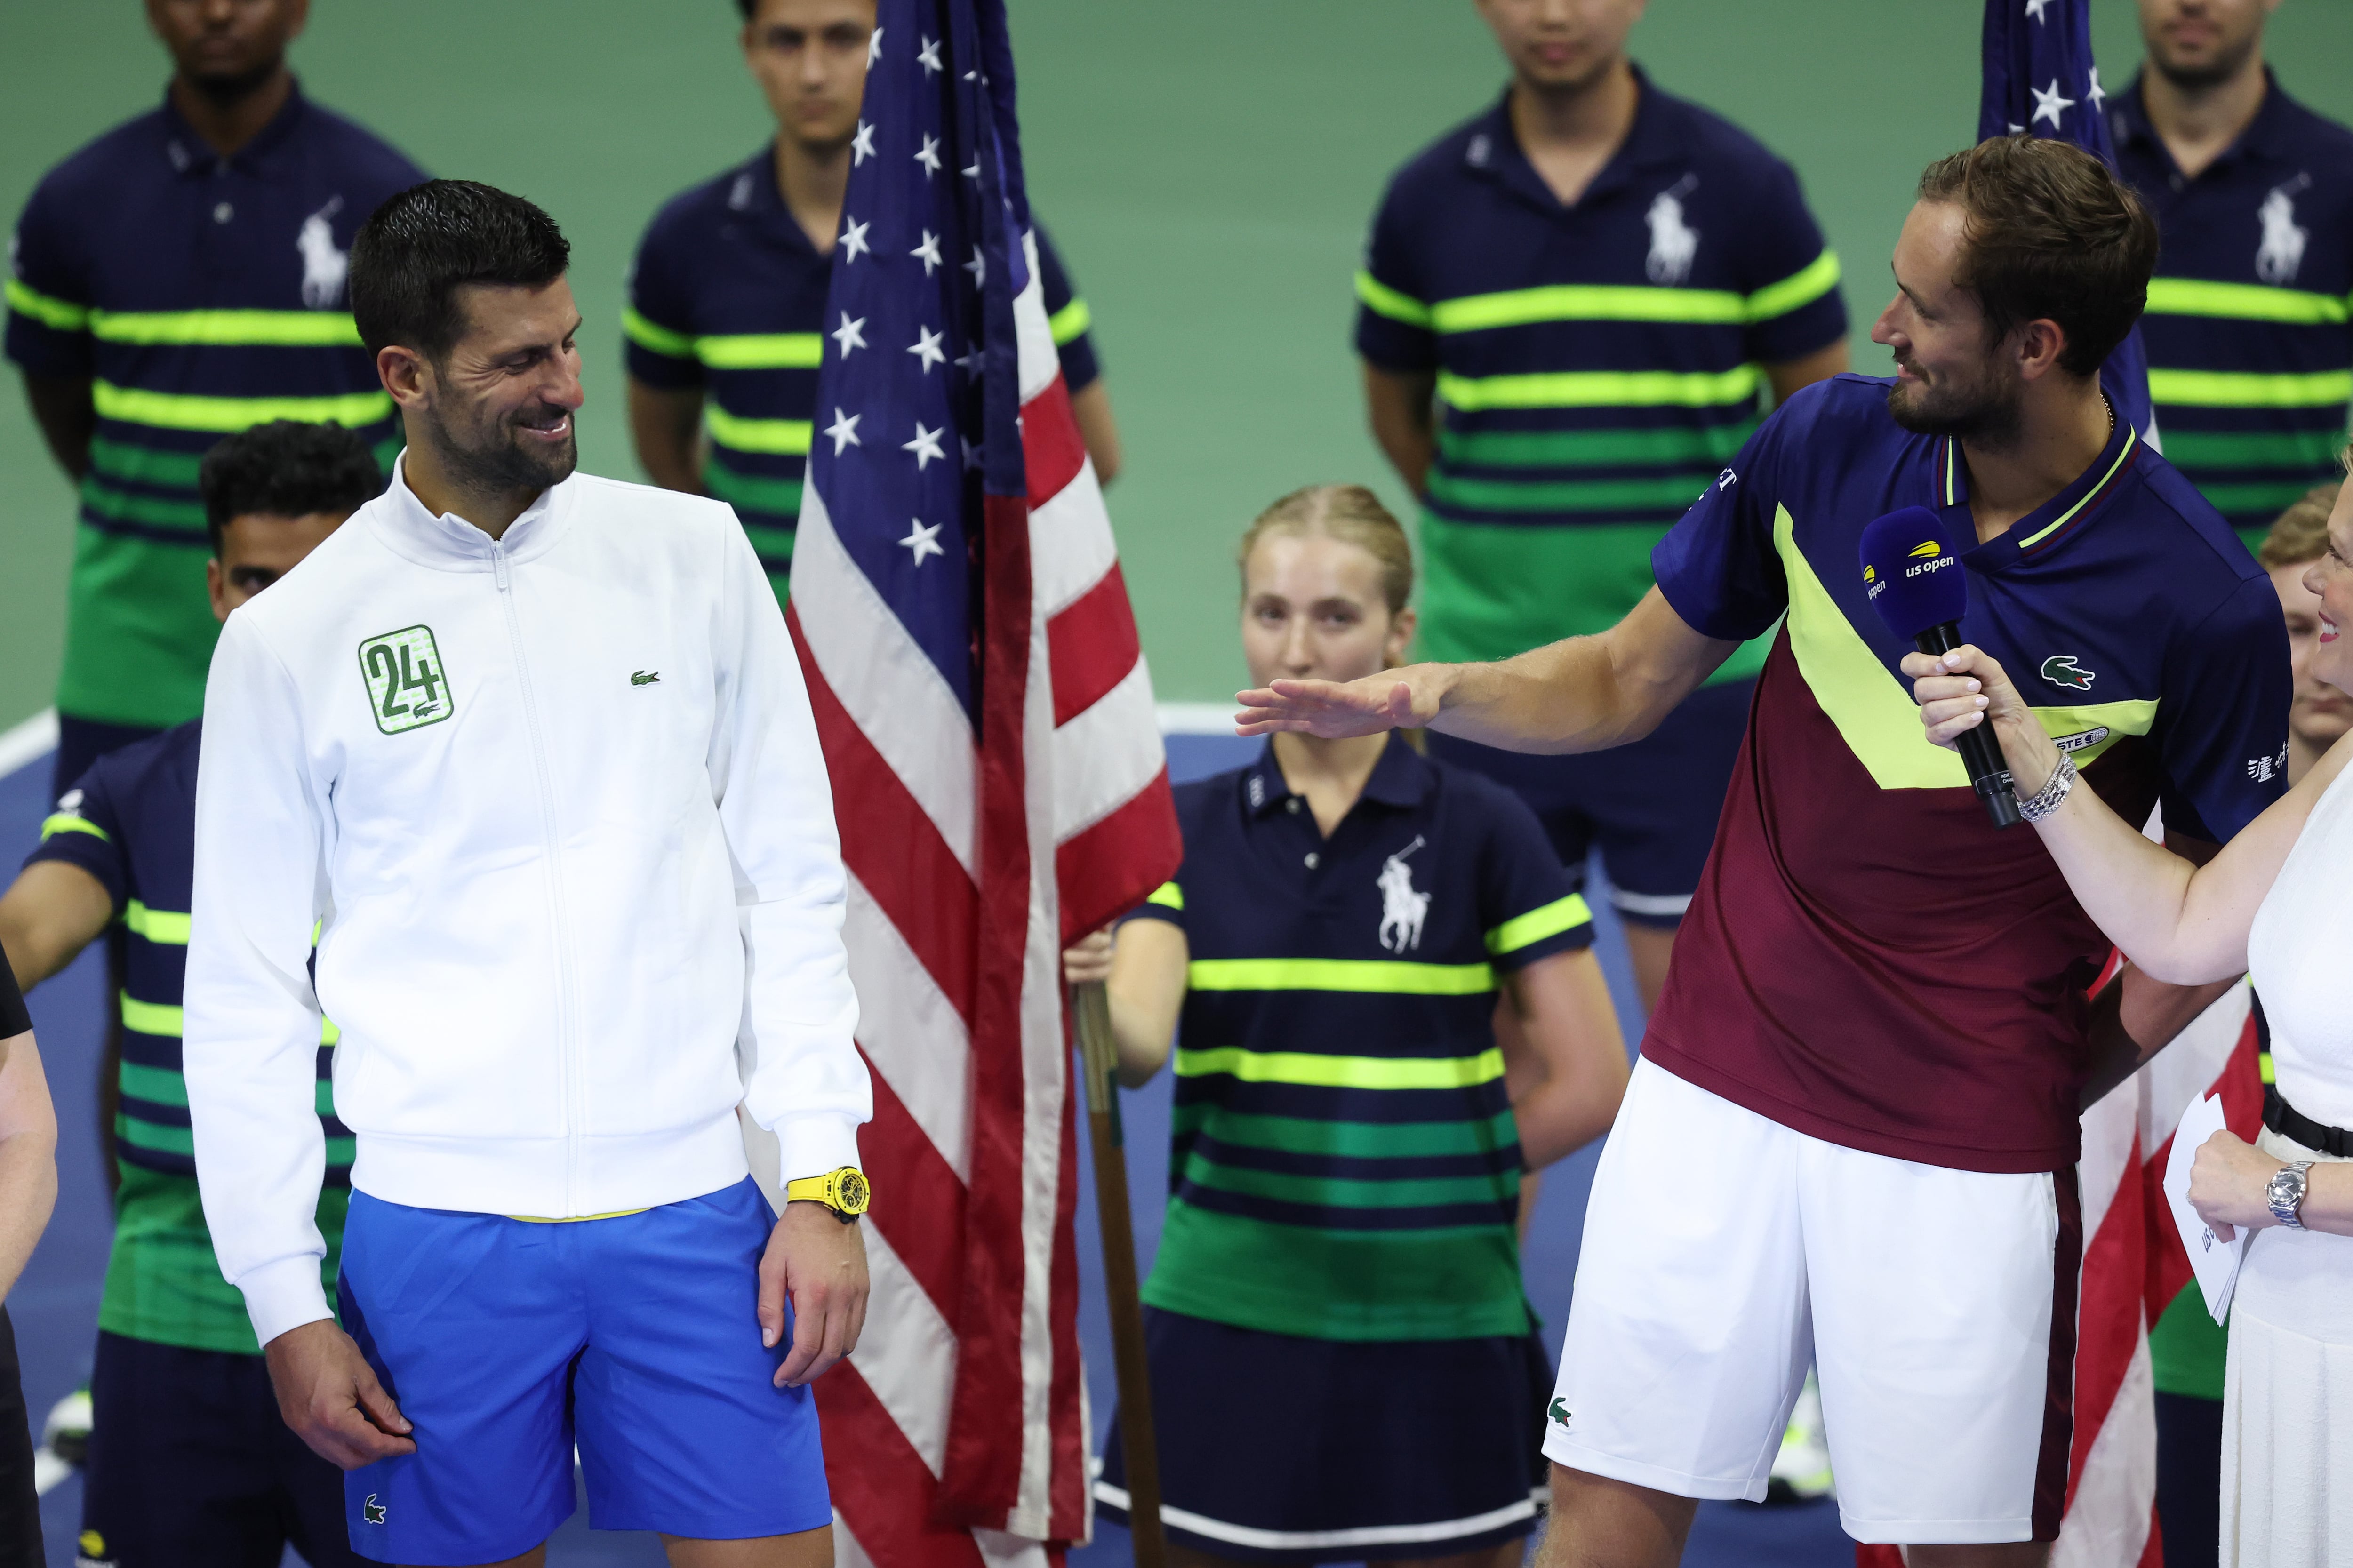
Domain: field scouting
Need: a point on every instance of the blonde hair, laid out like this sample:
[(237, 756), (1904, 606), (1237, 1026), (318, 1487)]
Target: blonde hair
[(1349, 513), (2301, 532)]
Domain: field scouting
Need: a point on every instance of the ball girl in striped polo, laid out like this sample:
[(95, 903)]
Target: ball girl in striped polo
[(1389, 1011)]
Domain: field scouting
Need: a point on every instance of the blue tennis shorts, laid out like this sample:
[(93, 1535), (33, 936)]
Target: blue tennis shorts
[(505, 1342)]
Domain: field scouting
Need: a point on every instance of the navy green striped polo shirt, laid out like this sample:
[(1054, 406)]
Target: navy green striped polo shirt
[(198, 295), (1345, 1164), (1597, 364), (728, 294), (2249, 331), (130, 822)]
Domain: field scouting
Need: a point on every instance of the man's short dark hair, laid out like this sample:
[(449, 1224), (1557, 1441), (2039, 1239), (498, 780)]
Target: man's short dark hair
[(2050, 233), (410, 256), (286, 469)]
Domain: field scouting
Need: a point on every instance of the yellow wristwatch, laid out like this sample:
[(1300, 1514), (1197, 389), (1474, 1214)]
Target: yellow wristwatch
[(844, 1191)]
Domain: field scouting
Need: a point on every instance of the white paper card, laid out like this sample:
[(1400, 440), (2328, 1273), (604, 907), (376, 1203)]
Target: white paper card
[(2216, 1261)]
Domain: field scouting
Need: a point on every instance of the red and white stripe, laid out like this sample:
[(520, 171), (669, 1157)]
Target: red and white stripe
[(957, 1434)]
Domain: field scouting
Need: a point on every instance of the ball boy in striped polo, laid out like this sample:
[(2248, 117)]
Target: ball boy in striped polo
[(189, 1461)]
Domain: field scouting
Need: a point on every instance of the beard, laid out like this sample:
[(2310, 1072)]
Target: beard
[(2228, 62), (225, 87), (1988, 414), (492, 458)]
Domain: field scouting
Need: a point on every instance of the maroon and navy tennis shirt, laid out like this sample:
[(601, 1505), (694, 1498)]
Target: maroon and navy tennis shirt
[(1867, 960)]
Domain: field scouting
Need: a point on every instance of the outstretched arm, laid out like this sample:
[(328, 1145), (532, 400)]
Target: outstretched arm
[(1581, 694), (2176, 920)]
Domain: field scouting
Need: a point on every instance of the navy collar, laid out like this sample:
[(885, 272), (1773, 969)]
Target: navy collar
[(754, 194), (2056, 520), (190, 153), (2266, 135), (1400, 779), (1495, 150)]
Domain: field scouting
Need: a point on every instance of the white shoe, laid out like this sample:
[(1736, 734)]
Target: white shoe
[(66, 1433)]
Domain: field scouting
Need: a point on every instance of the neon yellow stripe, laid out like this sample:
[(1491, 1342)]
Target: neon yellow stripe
[(177, 411), (1389, 976), (1168, 895), (1385, 300), (160, 926), (1809, 283), (2249, 389), (2243, 302), (1070, 321), (150, 1017), (67, 822), (661, 340), (1549, 919), (274, 329), (761, 350), (1319, 1072), (1601, 388), (2123, 452), (60, 315), (1587, 302), (786, 438), (576, 1219), (155, 1019)]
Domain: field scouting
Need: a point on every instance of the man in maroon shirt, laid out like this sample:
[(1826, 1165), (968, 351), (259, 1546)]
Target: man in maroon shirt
[(1852, 1141)]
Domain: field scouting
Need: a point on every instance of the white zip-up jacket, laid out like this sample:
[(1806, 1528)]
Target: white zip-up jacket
[(556, 807)]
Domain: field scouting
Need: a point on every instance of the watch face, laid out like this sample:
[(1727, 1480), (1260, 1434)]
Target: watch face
[(853, 1192)]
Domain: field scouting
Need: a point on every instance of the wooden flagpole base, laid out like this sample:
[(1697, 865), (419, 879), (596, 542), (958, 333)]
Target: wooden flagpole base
[(1100, 1060)]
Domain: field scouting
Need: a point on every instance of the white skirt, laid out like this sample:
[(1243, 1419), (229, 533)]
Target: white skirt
[(2287, 1493)]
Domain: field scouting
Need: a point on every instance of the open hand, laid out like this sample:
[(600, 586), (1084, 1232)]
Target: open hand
[(820, 1264), (331, 1399), (1335, 710), (2227, 1182)]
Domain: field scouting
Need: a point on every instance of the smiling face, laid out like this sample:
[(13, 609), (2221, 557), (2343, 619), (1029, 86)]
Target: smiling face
[(1313, 610), (2320, 712), (498, 406), (1561, 45), (810, 58), (1949, 379), (2330, 579)]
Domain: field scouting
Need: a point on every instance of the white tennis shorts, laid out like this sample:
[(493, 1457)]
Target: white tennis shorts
[(1724, 1252)]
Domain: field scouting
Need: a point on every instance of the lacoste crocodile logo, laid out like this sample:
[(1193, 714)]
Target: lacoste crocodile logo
[(2060, 670), (1560, 1412), (645, 678), (372, 1510)]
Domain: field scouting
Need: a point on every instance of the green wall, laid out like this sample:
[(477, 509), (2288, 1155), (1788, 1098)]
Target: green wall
[(1207, 167)]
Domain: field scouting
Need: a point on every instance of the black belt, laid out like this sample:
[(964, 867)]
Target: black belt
[(2296, 1127)]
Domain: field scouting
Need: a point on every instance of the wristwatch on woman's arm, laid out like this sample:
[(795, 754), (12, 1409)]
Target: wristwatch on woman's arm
[(844, 1192), (2284, 1194)]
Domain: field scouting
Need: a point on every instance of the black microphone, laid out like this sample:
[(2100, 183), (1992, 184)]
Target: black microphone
[(1915, 579)]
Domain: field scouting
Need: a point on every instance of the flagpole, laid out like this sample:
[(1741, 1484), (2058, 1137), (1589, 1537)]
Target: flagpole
[(1100, 1060)]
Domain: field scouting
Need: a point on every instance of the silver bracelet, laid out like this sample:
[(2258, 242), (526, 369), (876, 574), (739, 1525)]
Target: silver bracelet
[(2048, 799)]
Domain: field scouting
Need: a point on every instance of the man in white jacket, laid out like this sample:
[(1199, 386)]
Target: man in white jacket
[(531, 752)]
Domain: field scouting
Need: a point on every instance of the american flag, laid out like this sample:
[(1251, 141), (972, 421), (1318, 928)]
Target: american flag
[(2040, 77), (989, 724)]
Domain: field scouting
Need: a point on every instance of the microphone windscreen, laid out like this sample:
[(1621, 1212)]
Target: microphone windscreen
[(1912, 572)]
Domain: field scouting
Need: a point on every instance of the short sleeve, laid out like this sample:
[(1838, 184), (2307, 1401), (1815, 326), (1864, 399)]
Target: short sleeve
[(1718, 567), (1067, 316), (657, 322), (1393, 321), (85, 830), (1528, 909), (1794, 307), (2223, 721), (48, 290), (1165, 903)]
